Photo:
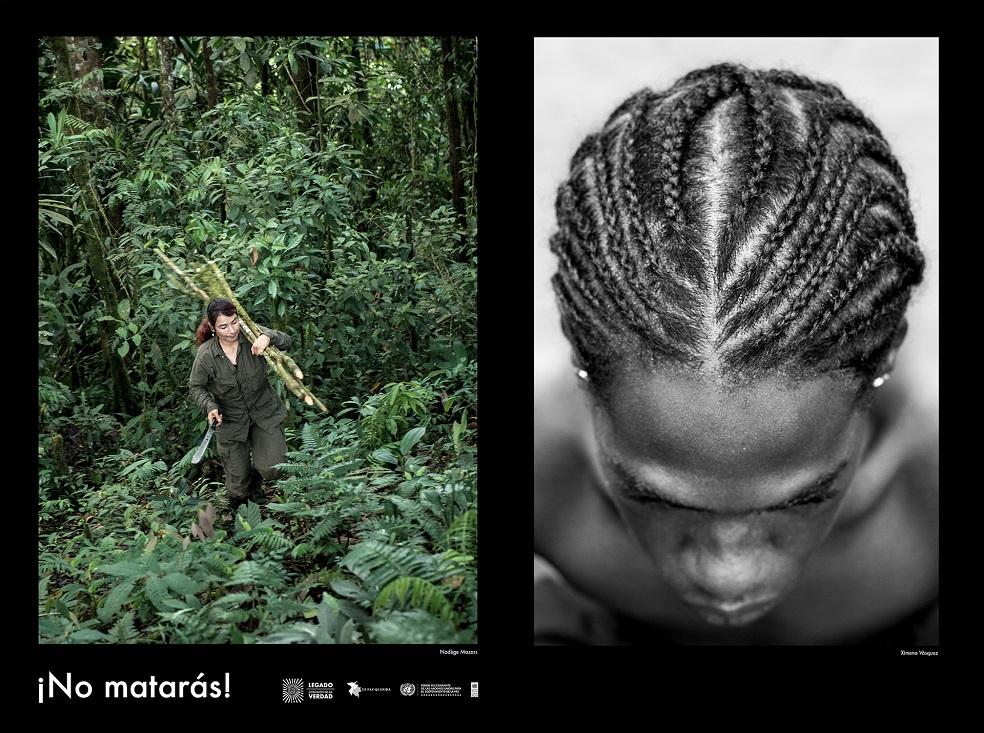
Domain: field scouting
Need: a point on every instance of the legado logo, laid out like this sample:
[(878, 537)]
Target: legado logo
[(320, 690), (294, 690)]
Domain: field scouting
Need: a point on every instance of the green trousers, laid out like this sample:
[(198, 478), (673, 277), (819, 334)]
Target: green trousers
[(267, 448)]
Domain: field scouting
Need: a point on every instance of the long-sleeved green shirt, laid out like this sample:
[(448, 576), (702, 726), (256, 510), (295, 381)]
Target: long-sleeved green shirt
[(240, 391)]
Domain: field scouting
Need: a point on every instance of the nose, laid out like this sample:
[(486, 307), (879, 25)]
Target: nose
[(728, 578), (732, 561)]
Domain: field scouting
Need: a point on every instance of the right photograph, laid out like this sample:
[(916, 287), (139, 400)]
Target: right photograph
[(736, 347)]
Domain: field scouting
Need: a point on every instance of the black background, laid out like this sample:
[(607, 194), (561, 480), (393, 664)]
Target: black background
[(508, 668)]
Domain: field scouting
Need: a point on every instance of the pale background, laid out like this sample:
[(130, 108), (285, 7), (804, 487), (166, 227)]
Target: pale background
[(578, 82)]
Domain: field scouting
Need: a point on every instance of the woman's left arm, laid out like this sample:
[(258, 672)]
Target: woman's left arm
[(277, 338)]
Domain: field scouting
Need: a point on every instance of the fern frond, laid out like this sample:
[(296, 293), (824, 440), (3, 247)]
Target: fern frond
[(123, 631), (408, 592), (462, 535), (414, 627), (115, 600), (156, 591), (326, 527), (309, 437), (378, 564)]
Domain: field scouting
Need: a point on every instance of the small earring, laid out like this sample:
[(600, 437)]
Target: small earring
[(581, 374), (881, 380)]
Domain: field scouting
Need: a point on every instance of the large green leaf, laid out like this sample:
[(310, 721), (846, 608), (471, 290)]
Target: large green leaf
[(181, 583), (115, 600), (411, 439), (156, 591), (127, 568), (384, 455)]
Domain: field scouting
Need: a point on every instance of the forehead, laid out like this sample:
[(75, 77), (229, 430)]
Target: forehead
[(221, 320), (693, 423)]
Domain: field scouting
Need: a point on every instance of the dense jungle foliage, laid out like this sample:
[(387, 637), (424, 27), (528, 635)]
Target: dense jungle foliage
[(333, 182)]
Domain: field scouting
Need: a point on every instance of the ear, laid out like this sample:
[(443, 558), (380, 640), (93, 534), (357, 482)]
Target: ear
[(888, 361)]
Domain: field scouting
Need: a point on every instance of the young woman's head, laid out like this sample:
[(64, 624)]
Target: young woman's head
[(220, 319), (735, 257)]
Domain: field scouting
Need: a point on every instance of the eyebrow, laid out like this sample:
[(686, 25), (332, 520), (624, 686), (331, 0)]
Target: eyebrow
[(816, 491)]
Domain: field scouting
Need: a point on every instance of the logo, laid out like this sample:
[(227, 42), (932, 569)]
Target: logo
[(439, 689), (407, 689), (320, 690), (354, 689), (293, 690), (474, 689)]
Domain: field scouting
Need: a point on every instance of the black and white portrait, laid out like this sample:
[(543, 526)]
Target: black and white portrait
[(736, 255)]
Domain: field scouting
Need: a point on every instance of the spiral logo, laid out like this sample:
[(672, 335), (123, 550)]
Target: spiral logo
[(293, 690), (407, 689)]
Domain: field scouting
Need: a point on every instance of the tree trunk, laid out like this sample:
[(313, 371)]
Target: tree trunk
[(361, 94), (313, 92), (365, 129), (167, 79), (143, 54), (77, 57), (213, 91), (454, 134), (304, 82), (468, 94), (143, 68), (469, 47)]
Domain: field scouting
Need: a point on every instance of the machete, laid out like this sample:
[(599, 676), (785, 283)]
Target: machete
[(201, 449)]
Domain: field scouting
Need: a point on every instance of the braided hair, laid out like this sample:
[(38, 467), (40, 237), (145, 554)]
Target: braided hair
[(742, 223)]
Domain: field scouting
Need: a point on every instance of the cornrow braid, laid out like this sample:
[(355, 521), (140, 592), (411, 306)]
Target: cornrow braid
[(791, 80), (833, 254), (647, 254), (874, 195), (761, 102), (745, 284), (897, 244), (794, 251), (830, 197), (631, 299), (861, 345)]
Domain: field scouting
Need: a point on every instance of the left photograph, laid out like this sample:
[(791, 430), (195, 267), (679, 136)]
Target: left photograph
[(257, 375)]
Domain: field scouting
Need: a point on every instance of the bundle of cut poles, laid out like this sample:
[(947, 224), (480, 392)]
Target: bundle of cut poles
[(213, 281)]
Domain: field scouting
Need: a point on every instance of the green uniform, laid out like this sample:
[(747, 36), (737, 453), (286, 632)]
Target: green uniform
[(252, 415)]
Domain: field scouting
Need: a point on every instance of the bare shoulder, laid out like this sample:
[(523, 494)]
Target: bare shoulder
[(882, 563), (916, 443), (559, 421)]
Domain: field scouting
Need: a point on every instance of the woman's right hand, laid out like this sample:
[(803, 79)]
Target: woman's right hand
[(215, 415)]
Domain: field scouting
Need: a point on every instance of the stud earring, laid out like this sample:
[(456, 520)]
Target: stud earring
[(581, 374), (879, 381)]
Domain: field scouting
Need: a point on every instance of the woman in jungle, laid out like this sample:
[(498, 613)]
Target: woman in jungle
[(735, 258), (229, 383)]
